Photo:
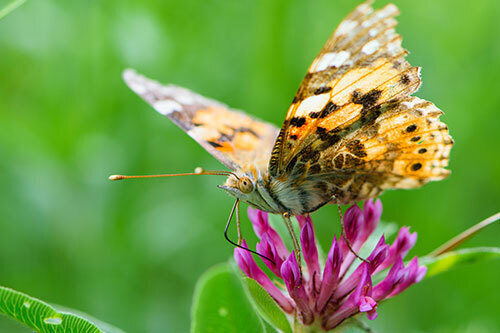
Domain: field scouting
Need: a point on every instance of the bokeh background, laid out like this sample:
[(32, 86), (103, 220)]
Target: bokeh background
[(130, 253)]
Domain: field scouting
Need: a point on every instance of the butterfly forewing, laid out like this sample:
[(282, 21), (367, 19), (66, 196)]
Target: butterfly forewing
[(231, 136), (353, 129)]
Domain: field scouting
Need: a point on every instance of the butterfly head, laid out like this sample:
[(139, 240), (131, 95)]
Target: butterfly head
[(245, 186)]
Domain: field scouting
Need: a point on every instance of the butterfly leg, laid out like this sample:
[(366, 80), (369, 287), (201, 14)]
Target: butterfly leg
[(296, 246), (238, 225), (345, 237)]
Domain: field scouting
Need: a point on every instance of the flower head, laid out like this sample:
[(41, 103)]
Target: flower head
[(339, 290)]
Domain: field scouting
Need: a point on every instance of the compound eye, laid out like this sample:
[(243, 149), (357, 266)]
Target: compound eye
[(245, 185)]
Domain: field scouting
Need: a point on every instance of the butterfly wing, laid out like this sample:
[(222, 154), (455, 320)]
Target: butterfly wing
[(231, 136), (353, 129)]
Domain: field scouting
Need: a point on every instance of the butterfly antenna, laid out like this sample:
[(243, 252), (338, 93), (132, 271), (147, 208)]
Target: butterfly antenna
[(236, 244), (197, 171)]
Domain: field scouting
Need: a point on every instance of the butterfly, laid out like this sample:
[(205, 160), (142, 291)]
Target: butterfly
[(352, 131)]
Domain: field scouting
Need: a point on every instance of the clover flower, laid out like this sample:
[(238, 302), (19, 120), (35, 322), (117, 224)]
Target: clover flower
[(326, 294)]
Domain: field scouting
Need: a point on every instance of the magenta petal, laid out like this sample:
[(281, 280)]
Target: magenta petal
[(291, 275), (414, 272), (259, 219), (393, 278), (266, 247), (353, 224), (260, 223), (402, 244), (379, 254), (308, 242), (302, 220), (367, 304), (372, 212), (330, 275), (422, 270), (354, 300), (353, 221), (364, 306), (376, 257), (371, 217), (372, 314), (247, 264), (291, 272)]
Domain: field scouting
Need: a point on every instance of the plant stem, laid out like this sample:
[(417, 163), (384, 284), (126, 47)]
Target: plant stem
[(454, 242)]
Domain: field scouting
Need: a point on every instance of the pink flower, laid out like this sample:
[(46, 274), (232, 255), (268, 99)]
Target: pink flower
[(340, 291)]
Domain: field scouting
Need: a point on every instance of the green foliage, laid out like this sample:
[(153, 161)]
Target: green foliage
[(42, 317), (453, 259), (220, 304), (10, 7), (267, 307)]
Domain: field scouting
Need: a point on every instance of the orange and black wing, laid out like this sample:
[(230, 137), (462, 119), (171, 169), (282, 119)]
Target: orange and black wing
[(353, 129), (231, 136)]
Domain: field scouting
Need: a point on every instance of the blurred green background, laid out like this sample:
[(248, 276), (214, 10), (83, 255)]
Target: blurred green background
[(129, 253)]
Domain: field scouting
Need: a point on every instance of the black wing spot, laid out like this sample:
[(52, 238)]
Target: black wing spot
[(322, 90), (298, 121), (405, 79), (416, 166), (422, 151), (367, 100), (293, 137), (411, 128), (415, 138), (321, 131), (315, 115), (214, 144), (356, 148), (355, 95), (328, 109)]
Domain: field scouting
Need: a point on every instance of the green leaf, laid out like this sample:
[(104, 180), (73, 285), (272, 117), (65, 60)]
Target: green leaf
[(449, 260), (42, 317), (220, 304), (353, 325), (10, 7), (105, 327), (267, 307)]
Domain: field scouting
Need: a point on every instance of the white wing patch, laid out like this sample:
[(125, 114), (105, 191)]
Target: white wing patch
[(370, 47), (331, 59), (167, 107)]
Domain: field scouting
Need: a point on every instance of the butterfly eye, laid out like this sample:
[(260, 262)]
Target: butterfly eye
[(245, 185)]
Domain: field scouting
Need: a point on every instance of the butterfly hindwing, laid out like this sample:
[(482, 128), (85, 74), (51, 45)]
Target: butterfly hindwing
[(231, 136), (405, 148), (345, 135)]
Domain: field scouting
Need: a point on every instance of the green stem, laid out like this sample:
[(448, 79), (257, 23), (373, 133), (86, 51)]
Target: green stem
[(454, 242)]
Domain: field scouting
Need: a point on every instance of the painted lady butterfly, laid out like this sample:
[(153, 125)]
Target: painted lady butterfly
[(352, 131)]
